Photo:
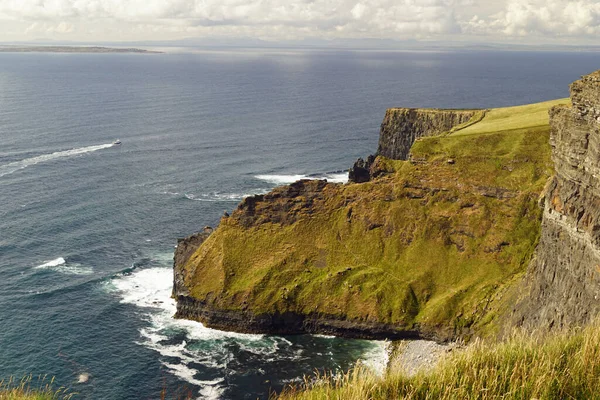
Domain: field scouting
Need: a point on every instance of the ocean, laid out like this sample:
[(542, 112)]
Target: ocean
[(88, 228)]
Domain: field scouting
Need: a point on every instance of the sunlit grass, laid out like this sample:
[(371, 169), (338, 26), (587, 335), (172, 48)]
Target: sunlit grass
[(29, 389), (527, 366), (510, 118)]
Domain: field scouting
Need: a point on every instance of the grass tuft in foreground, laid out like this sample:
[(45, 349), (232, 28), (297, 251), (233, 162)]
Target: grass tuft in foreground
[(22, 390), (560, 366)]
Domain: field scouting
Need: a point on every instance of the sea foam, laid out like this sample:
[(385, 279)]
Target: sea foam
[(60, 265), (53, 263), (187, 346), (338, 177), (150, 289), (225, 197)]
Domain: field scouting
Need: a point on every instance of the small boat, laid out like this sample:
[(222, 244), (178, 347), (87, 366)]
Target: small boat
[(117, 142)]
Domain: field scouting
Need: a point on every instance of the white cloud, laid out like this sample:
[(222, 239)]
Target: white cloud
[(549, 18), (294, 19), (373, 17)]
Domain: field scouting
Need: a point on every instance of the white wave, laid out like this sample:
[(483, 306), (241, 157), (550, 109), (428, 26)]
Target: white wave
[(210, 392), (319, 335), (378, 357), (60, 265), (150, 290), (17, 165), (287, 179), (53, 263), (188, 374), (341, 177), (217, 196), (281, 179)]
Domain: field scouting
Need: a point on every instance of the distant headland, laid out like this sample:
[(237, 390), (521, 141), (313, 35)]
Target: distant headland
[(71, 49)]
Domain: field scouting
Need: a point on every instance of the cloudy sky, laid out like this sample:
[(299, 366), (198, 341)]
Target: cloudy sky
[(514, 21)]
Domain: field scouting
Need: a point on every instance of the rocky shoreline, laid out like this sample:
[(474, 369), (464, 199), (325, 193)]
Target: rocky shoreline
[(289, 323)]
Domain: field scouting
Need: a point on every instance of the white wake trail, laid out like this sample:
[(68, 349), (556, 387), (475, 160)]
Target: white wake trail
[(9, 168)]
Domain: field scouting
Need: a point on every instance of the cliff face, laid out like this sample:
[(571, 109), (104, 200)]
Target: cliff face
[(427, 248), (402, 126), (563, 281)]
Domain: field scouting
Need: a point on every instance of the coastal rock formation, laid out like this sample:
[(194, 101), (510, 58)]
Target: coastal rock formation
[(563, 281), (402, 126), (399, 130), (426, 248), (361, 170)]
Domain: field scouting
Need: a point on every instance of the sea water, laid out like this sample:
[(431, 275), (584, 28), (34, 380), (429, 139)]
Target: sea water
[(88, 228)]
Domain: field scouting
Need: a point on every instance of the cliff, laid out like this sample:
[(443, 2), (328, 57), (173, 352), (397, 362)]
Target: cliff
[(428, 248), (402, 126), (562, 286)]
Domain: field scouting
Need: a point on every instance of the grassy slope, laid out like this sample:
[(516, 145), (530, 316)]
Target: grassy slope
[(565, 366), (509, 118), (432, 243)]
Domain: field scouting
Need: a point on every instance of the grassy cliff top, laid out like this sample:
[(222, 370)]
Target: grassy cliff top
[(510, 118), (434, 243)]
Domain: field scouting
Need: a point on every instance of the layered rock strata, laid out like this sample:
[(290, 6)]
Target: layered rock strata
[(563, 281), (399, 130), (402, 126)]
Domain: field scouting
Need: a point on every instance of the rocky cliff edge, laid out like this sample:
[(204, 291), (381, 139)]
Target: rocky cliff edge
[(562, 286)]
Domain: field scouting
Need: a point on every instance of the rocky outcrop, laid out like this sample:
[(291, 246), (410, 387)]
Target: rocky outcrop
[(361, 170), (563, 281), (288, 323), (185, 248), (402, 126), (283, 205)]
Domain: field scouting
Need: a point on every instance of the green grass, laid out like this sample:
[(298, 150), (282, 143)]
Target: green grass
[(510, 118), (431, 243), (27, 389), (560, 366)]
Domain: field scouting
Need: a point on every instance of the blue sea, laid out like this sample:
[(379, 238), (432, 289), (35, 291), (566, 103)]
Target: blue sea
[(88, 228)]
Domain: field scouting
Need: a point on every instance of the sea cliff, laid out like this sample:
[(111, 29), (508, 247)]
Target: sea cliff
[(429, 246), (562, 286), (402, 126)]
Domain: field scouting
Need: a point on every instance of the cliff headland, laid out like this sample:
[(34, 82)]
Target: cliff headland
[(464, 223)]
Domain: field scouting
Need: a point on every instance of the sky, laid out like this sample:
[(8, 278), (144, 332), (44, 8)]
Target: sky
[(574, 22)]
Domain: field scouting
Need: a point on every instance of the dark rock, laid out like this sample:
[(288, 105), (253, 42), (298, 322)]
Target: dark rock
[(361, 170), (402, 126), (284, 205), (185, 248), (291, 323)]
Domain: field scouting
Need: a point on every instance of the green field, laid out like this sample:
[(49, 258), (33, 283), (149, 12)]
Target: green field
[(510, 118)]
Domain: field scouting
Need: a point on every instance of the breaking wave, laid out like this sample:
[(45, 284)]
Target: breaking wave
[(53, 263), (198, 355), (60, 265), (222, 197), (337, 177)]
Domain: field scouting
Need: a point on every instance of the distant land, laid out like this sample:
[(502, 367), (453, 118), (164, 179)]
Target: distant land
[(71, 49)]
